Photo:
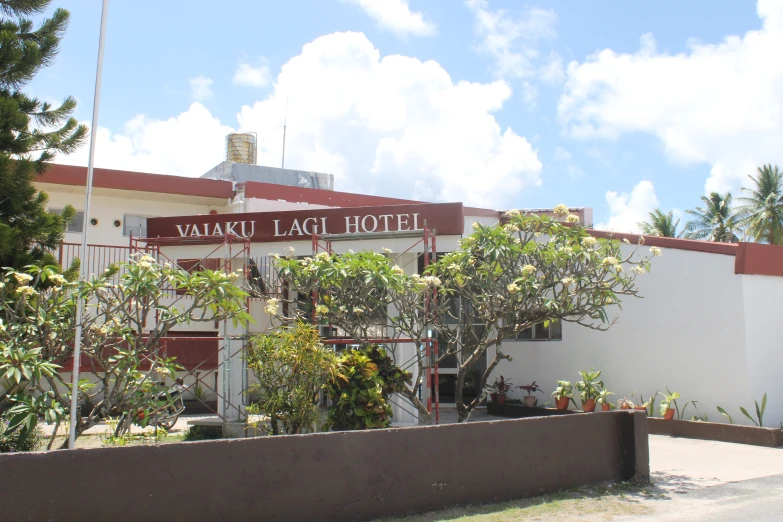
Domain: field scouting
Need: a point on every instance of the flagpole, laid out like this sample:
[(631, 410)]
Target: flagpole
[(77, 342)]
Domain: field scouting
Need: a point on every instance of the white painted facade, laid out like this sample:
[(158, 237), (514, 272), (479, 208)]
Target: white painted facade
[(699, 329)]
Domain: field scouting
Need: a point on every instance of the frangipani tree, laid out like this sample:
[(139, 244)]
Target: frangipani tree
[(529, 270), (123, 323), (503, 279)]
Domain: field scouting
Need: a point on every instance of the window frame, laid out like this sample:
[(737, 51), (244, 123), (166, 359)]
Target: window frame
[(126, 233), (74, 221), (518, 337)]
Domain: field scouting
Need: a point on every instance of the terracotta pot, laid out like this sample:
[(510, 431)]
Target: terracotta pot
[(588, 405), (640, 408), (499, 399), (669, 415), (562, 403), (606, 407), (530, 401)]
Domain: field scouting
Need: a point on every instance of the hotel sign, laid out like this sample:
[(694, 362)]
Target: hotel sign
[(292, 225)]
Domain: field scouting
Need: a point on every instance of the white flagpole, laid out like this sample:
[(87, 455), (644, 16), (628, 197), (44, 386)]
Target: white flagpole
[(77, 342)]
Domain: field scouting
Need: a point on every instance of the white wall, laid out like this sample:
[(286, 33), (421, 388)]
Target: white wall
[(687, 333), (762, 300), (108, 208)]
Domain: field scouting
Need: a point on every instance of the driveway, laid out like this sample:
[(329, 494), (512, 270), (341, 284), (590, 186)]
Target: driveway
[(699, 480)]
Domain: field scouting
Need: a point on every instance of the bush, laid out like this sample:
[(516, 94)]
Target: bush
[(360, 394), (20, 440), (203, 433)]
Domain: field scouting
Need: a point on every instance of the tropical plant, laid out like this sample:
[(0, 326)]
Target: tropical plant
[(649, 404), (291, 367), (530, 388), (15, 441), (669, 398), (590, 386), (603, 397), (625, 404), (715, 221), (759, 420), (502, 280), (37, 328), (32, 132), (365, 381), (661, 224), (502, 386), (725, 414), (761, 212), (564, 389)]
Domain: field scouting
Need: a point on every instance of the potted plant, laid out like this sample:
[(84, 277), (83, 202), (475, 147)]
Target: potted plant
[(667, 412), (603, 399), (625, 404), (563, 394), (530, 401), (501, 388), (589, 388)]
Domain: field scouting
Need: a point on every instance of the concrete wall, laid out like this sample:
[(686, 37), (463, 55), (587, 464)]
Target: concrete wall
[(762, 303), (327, 476), (687, 333)]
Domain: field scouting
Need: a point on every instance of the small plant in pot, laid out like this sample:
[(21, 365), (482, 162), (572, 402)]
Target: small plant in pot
[(563, 394), (666, 409), (532, 388), (500, 390), (625, 404), (603, 399), (589, 388)]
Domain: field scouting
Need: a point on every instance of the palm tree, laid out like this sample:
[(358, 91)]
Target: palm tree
[(762, 211), (660, 224), (715, 221)]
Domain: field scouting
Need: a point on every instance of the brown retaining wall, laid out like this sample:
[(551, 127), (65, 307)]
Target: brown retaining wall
[(341, 476), (771, 437)]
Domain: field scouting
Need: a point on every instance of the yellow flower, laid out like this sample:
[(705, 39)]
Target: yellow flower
[(476, 226), (567, 281), (25, 290), (358, 310), (322, 309), (561, 210), (512, 288), (57, 279), (655, 251), (609, 261), (512, 212), (387, 250), (638, 270), (271, 306), (397, 270), (588, 242), (573, 219), (22, 279), (528, 270)]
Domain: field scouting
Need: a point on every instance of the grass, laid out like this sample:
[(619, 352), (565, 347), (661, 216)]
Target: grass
[(587, 503)]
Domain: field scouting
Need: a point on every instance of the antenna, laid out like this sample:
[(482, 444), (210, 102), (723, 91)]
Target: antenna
[(285, 124)]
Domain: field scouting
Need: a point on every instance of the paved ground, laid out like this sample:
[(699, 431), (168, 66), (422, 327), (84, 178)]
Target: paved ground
[(699, 480)]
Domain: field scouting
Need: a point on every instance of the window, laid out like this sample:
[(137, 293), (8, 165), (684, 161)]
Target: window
[(539, 332), (136, 225), (77, 223)]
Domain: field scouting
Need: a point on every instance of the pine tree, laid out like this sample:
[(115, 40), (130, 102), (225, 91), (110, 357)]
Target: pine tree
[(31, 134)]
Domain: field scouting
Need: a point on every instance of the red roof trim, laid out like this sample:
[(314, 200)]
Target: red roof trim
[(139, 181), (329, 198), (758, 259), (728, 249)]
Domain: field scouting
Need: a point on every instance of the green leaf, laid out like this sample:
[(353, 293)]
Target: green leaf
[(745, 412)]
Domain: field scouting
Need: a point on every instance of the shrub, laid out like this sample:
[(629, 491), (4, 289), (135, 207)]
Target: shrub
[(360, 393), (20, 440)]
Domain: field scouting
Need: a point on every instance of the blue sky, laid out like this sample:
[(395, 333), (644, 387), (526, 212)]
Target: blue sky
[(491, 102)]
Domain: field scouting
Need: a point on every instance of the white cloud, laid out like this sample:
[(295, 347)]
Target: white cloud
[(396, 16), (186, 145), (512, 42), (249, 76), (388, 125), (720, 104), (627, 210), (564, 162), (200, 88)]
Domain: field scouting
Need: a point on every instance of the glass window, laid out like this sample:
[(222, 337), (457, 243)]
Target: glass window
[(538, 332), (77, 223), (136, 225)]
